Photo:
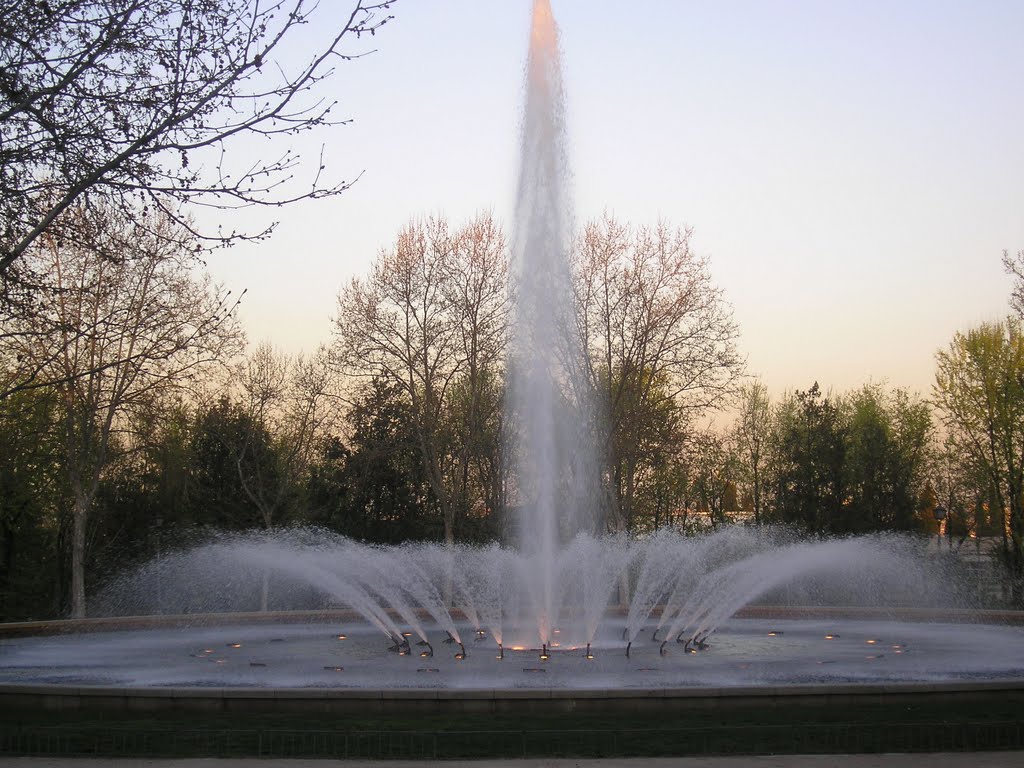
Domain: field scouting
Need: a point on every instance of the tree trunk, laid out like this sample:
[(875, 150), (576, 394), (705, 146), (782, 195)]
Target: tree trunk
[(81, 510)]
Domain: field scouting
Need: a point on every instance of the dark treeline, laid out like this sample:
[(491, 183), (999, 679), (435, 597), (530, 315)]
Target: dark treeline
[(144, 425)]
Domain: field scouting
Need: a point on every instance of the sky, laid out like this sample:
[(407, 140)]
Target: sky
[(852, 169)]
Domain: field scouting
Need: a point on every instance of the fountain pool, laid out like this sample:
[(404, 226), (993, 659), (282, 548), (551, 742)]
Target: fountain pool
[(346, 654)]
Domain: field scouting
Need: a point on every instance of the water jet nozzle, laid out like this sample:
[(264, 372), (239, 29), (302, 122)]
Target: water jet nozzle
[(501, 651), (662, 650), (449, 640), (427, 653), (628, 646), (461, 654), (654, 635), (481, 634), (589, 655)]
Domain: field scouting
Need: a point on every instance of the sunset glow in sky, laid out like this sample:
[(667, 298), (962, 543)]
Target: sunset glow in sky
[(853, 169)]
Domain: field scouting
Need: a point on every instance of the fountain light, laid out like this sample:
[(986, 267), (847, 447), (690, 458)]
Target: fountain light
[(234, 645), (871, 642), (588, 654), (428, 651), (831, 637), (407, 634), (461, 654), (481, 634), (343, 637), (775, 633), (544, 652)]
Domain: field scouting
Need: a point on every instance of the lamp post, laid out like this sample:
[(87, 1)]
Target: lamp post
[(940, 515)]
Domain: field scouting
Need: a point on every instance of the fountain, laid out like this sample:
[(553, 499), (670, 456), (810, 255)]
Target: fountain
[(706, 612), (565, 616)]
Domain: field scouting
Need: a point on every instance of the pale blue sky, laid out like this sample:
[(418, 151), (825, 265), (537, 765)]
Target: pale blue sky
[(852, 169)]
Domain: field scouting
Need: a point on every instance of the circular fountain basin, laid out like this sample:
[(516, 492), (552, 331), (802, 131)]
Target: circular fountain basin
[(234, 665)]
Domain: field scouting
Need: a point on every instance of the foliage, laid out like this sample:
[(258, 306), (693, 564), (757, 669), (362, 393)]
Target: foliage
[(979, 387), (375, 489), (31, 496), (809, 482), (888, 440), (116, 335)]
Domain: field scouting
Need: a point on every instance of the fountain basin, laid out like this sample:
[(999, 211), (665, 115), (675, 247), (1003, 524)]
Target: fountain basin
[(304, 666)]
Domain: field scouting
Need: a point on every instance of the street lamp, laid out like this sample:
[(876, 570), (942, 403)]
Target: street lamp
[(940, 515)]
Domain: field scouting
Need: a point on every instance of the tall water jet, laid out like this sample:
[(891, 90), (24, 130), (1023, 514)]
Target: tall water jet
[(546, 406)]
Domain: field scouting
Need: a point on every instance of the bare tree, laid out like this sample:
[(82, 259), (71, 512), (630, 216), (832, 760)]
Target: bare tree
[(478, 297), (430, 319), (1014, 265), (657, 334), (290, 401), (116, 334), (141, 102), (751, 434)]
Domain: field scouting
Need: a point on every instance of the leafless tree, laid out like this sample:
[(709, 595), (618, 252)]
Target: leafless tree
[(751, 434), (1014, 265), (657, 334), (141, 103), (290, 401), (478, 296), (115, 335), (431, 319)]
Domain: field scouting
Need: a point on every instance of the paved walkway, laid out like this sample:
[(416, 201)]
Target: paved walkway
[(941, 760)]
